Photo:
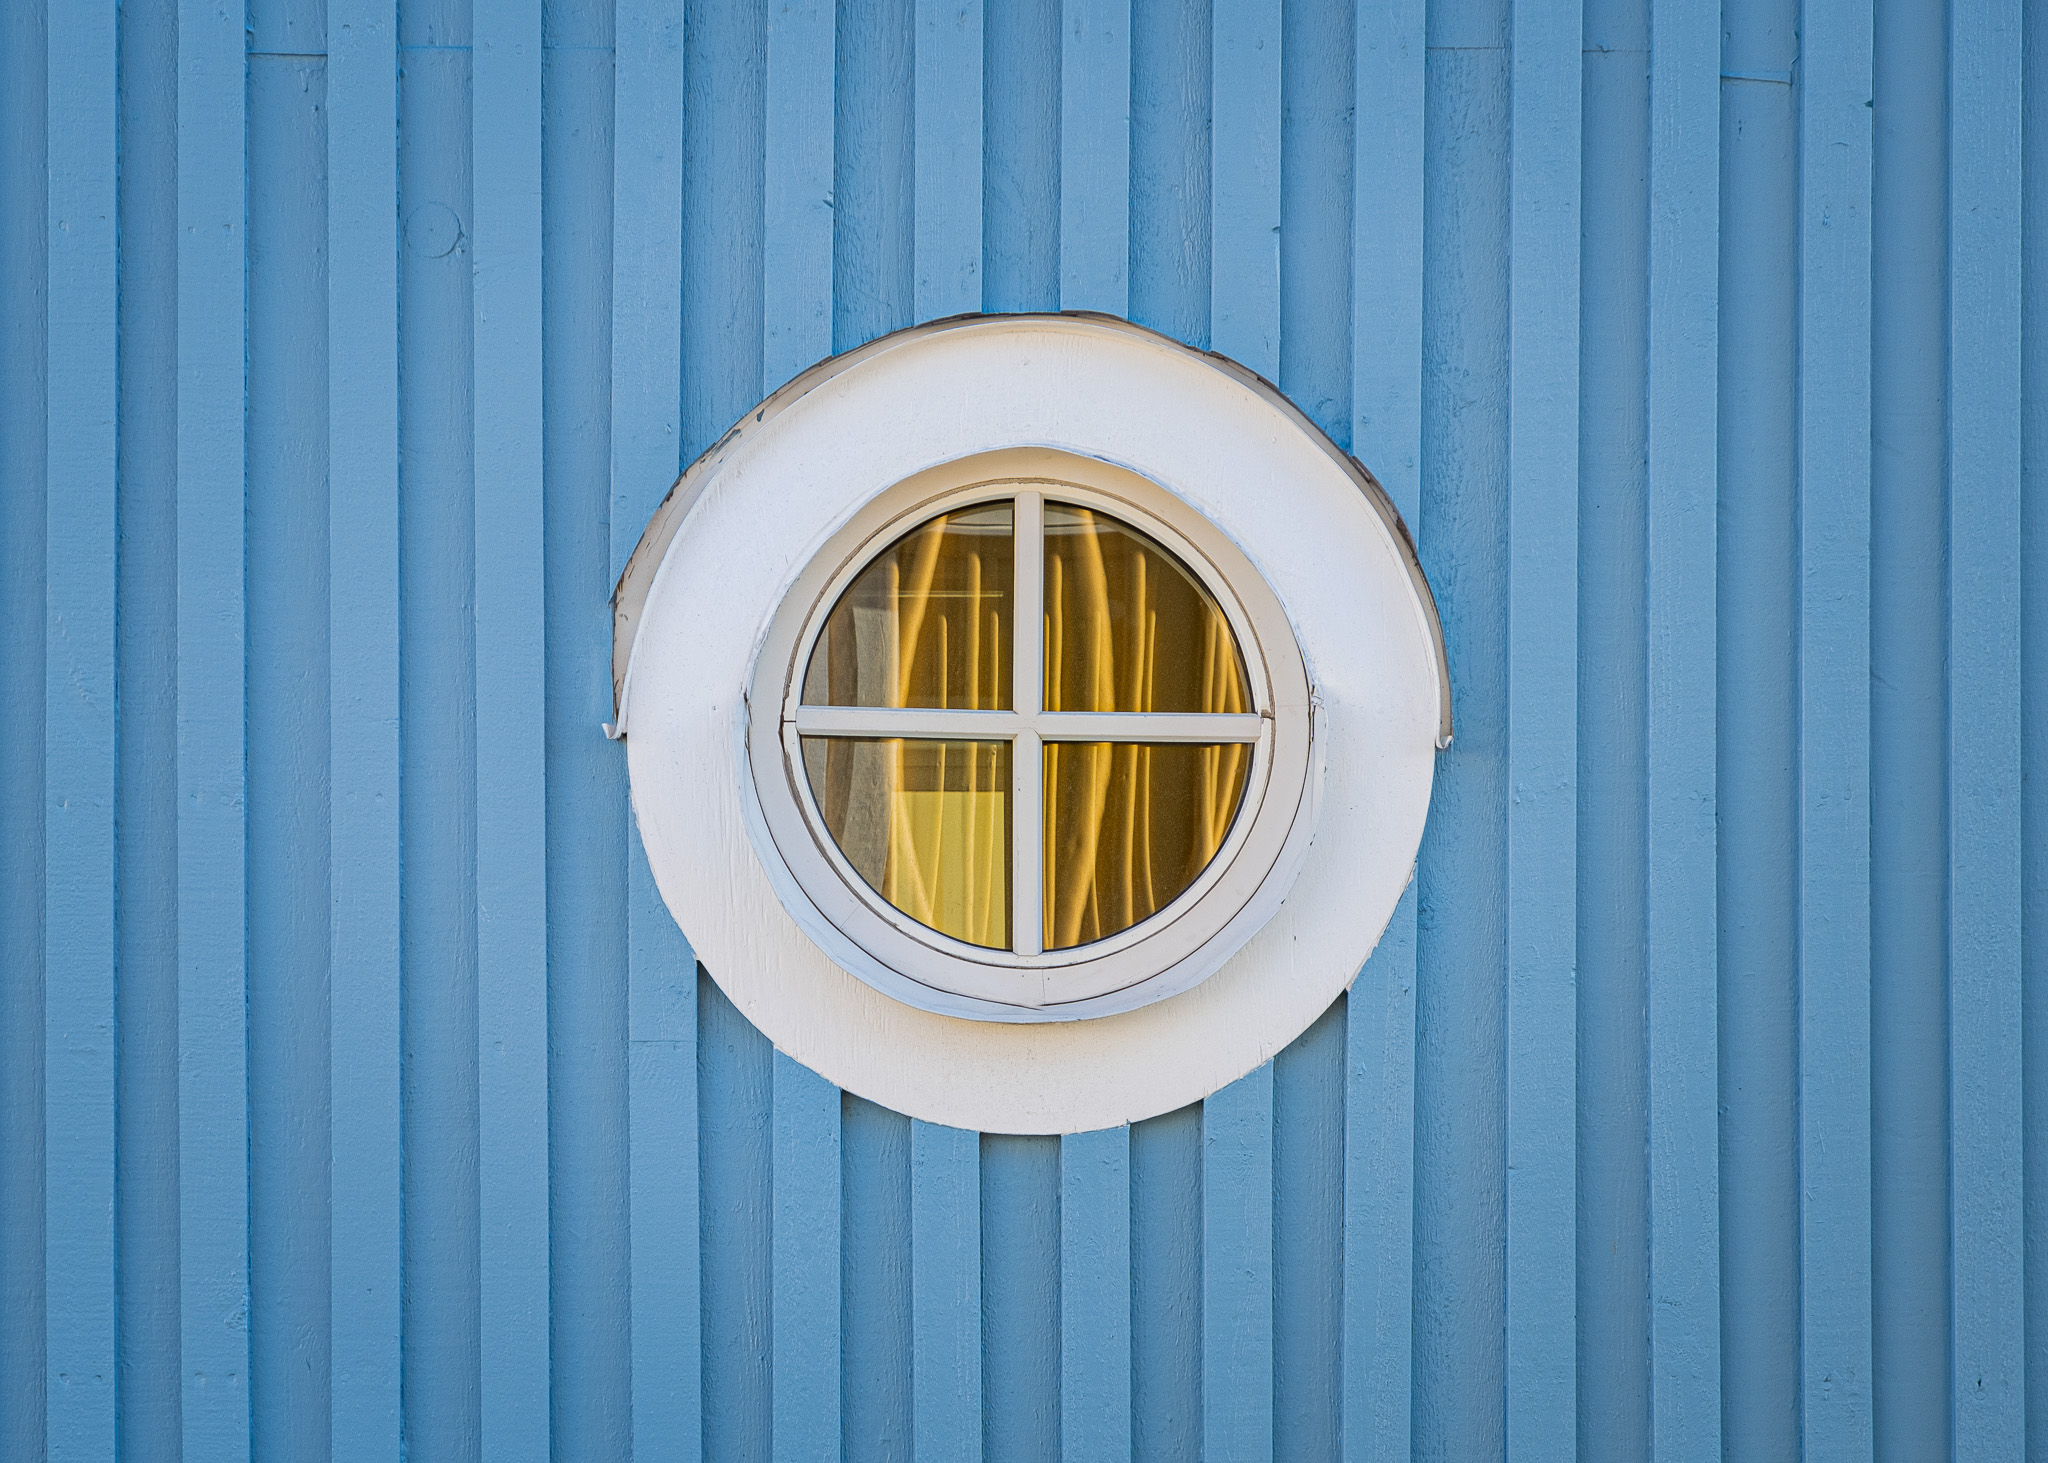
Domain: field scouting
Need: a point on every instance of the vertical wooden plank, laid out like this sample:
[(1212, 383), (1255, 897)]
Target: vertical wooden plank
[(79, 745), (1095, 155), (437, 769), (1244, 309), (804, 1305), (1386, 250), (363, 593), (877, 1335), (947, 146), (1985, 1172), (797, 331), (1237, 1123), (1911, 1333), (1758, 730), (2034, 718), (287, 732), (25, 179), (213, 1125), (1379, 1032), (1308, 1227), (735, 1102), (945, 1294), (647, 262), (1460, 1306), (796, 298), (1681, 902), (1614, 1391), (1318, 140), (1166, 1286), (1834, 721), (1379, 1197), (1172, 81), (1542, 1017), (647, 332), (667, 1324), (1095, 1296), (725, 134), (874, 171), (589, 1099), (1020, 159), (1020, 1292), (1237, 1271), (511, 899), (146, 1419)]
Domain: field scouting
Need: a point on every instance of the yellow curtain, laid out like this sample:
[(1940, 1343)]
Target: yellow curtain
[(1130, 825)]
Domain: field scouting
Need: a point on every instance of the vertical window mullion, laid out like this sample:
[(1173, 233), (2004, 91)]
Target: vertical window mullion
[(1027, 760)]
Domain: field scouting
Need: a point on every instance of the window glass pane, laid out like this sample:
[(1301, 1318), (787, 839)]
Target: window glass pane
[(927, 623), (1128, 827), (1127, 626), (927, 824)]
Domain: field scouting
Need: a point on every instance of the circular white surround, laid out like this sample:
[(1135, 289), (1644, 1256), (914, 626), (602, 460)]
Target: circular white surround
[(757, 517)]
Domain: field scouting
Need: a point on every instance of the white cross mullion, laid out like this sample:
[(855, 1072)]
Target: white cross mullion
[(1027, 726), (1027, 759)]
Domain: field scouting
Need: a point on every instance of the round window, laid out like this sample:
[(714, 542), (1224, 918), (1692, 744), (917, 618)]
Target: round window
[(1039, 742), (1030, 720)]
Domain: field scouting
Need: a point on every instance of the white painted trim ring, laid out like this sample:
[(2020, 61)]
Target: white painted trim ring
[(700, 598)]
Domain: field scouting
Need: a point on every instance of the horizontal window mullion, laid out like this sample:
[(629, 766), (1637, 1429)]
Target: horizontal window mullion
[(924, 722), (1147, 726), (1052, 726)]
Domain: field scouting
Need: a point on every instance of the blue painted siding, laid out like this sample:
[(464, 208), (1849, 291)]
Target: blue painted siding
[(358, 1097)]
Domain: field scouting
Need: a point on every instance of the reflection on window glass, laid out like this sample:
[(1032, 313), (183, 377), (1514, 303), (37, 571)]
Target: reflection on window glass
[(1128, 826), (927, 824), (1127, 627), (927, 623)]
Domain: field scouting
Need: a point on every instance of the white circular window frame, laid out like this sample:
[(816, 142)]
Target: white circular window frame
[(1158, 957), (758, 533)]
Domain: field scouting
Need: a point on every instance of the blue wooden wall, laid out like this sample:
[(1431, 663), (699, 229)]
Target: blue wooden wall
[(358, 1098)]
